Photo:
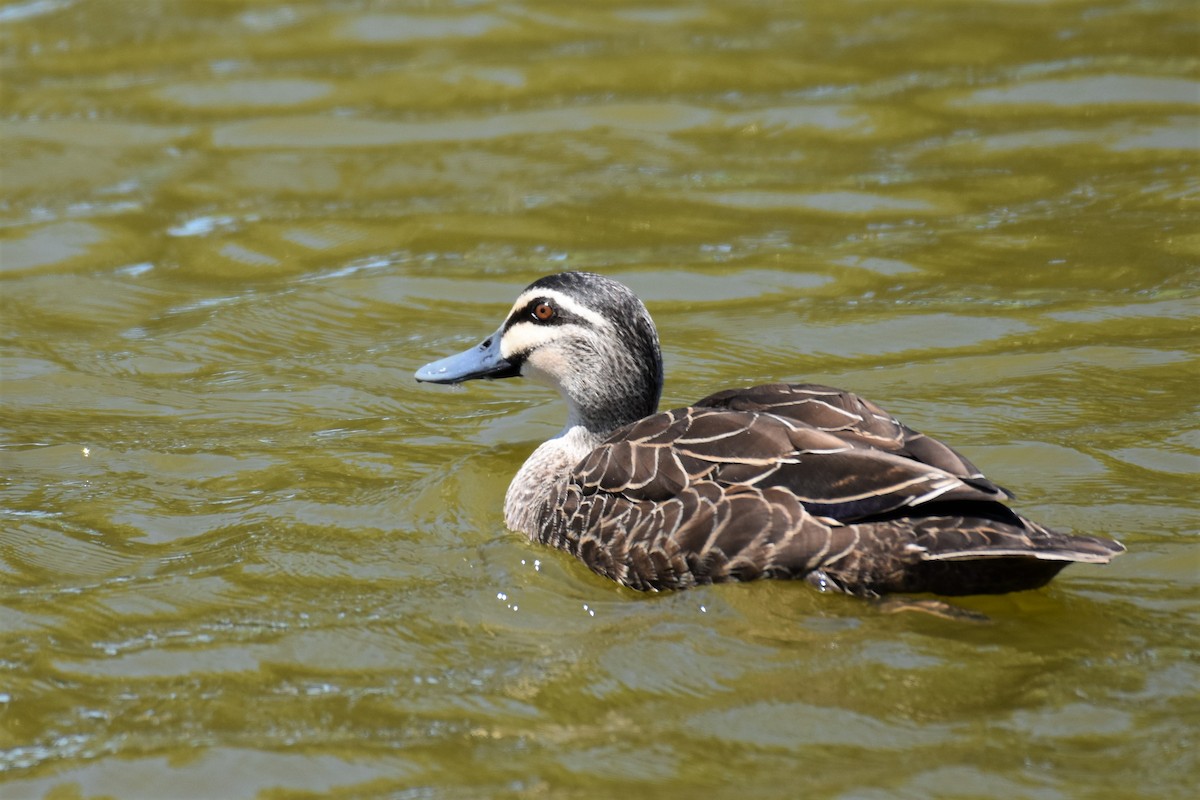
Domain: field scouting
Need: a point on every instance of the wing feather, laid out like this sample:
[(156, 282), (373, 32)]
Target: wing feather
[(851, 418)]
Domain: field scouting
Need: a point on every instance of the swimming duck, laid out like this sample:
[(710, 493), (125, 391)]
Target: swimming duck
[(774, 481)]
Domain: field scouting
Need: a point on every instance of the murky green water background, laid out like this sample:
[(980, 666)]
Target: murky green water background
[(243, 554)]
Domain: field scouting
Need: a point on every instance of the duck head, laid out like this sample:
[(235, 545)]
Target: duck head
[(585, 335)]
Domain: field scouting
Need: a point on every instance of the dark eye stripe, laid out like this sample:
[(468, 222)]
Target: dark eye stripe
[(527, 313)]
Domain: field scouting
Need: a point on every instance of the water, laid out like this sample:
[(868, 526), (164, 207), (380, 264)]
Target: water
[(245, 555)]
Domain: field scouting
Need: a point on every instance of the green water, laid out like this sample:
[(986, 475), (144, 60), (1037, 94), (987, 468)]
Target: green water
[(243, 554)]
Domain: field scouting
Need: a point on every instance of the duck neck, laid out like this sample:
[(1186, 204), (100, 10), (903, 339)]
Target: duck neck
[(613, 392), (596, 421)]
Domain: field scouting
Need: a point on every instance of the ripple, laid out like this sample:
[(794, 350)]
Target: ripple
[(213, 772), (1177, 134), (262, 93), (394, 28), (842, 203), (1088, 91), (691, 287), (51, 245), (319, 132), (883, 266), (44, 546), (1160, 460), (1076, 720), (1174, 309), (844, 119), (889, 336), (15, 12), (203, 225), (796, 725), (93, 133)]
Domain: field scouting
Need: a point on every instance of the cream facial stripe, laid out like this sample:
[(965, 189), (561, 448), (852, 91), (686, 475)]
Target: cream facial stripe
[(524, 336), (563, 303)]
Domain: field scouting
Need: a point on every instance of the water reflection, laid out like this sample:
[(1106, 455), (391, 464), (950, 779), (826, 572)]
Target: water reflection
[(243, 553)]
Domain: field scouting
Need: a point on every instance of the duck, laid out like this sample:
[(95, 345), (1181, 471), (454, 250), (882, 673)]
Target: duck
[(782, 480)]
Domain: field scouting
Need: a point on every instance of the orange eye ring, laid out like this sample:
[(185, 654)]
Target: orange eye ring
[(544, 312)]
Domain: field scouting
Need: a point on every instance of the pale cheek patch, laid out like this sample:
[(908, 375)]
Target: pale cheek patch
[(525, 337), (546, 366)]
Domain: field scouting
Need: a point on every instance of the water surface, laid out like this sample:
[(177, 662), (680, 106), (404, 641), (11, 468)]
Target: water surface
[(243, 554)]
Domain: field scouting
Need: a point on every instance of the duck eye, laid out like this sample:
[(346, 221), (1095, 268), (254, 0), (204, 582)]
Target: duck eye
[(544, 312)]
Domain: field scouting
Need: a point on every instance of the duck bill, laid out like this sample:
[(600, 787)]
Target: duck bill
[(482, 361)]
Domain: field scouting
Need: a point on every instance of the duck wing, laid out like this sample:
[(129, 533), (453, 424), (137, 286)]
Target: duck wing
[(854, 419), (832, 478)]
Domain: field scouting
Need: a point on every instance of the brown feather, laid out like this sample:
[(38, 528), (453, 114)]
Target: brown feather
[(791, 482)]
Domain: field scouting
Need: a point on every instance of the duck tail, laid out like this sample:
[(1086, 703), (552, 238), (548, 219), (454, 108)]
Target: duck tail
[(1055, 547)]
